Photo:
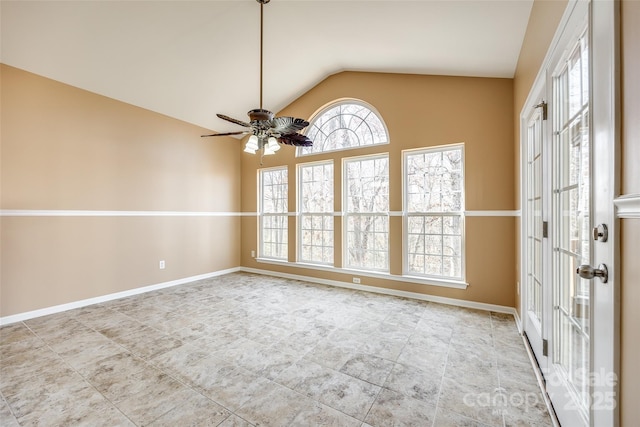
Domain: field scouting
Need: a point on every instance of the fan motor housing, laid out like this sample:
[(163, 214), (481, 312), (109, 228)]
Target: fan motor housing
[(259, 114)]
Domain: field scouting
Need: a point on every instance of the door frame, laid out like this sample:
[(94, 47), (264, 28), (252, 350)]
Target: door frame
[(606, 130), (604, 42)]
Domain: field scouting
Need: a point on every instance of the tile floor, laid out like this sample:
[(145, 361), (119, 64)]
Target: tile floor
[(244, 349)]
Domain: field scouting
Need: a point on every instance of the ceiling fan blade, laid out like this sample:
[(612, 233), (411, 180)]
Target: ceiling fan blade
[(295, 139), (227, 133), (232, 120), (287, 125)]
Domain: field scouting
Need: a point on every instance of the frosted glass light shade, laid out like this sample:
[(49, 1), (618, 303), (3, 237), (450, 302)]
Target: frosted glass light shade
[(273, 144), (252, 143), (268, 151)]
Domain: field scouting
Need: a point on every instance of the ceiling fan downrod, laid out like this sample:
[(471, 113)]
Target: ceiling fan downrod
[(267, 131), (260, 114), (262, 3)]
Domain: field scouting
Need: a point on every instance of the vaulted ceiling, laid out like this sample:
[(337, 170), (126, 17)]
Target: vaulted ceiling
[(192, 59)]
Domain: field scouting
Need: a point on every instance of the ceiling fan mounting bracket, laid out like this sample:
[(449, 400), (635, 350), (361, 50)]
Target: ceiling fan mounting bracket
[(263, 1)]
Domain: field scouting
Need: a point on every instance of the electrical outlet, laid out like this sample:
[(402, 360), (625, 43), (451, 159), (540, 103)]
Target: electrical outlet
[(162, 265), (356, 280), (253, 254)]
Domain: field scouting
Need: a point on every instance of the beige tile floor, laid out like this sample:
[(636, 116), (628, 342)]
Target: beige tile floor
[(245, 349)]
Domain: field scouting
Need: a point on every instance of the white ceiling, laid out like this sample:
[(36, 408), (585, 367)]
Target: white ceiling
[(192, 59)]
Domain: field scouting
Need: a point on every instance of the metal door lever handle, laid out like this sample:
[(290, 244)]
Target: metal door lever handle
[(587, 272)]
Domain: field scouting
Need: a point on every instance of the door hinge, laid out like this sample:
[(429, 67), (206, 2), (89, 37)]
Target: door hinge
[(545, 229), (542, 105), (545, 348)]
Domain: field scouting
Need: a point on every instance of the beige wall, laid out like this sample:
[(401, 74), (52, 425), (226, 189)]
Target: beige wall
[(630, 324), (67, 149), (630, 228), (543, 22), (419, 111)]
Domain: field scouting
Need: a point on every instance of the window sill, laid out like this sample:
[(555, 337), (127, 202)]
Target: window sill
[(361, 273)]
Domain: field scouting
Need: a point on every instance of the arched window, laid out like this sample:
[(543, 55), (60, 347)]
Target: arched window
[(345, 125)]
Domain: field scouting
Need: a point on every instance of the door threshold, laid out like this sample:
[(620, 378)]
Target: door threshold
[(540, 379)]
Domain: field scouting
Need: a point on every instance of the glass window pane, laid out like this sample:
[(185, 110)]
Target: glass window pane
[(273, 201), (316, 207), (342, 126), (434, 181), (367, 248), (366, 196), (274, 236), (434, 202)]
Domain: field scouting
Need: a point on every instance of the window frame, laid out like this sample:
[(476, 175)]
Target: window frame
[(325, 109), (262, 214), (301, 214), (459, 213), (346, 215)]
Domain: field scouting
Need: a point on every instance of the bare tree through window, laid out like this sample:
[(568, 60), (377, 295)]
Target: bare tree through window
[(273, 213), (367, 212), (315, 182), (350, 124), (434, 205)]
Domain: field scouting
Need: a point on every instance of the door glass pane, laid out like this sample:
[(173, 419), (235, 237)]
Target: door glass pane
[(571, 240)]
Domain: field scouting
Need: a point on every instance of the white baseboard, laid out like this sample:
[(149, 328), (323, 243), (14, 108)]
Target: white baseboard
[(518, 320), (386, 291), (423, 297), (85, 302)]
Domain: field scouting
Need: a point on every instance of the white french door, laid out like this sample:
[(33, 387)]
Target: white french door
[(568, 232), (568, 373), (535, 226)]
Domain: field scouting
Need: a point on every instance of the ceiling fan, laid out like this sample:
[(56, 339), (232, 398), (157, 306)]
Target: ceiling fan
[(265, 129)]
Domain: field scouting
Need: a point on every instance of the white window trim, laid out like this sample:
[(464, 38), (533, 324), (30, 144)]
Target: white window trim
[(455, 284), (405, 216)]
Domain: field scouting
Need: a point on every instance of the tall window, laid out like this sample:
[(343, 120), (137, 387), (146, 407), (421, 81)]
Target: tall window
[(351, 124), (315, 184), (366, 216), (273, 213), (434, 206)]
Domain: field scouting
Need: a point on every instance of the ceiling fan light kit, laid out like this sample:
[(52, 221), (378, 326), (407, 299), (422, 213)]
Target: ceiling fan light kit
[(267, 132), (254, 144)]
